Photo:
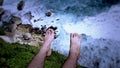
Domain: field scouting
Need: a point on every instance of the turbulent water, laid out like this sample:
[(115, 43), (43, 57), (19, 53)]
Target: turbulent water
[(96, 20)]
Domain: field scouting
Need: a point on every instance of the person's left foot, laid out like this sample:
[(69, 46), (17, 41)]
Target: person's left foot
[(49, 37)]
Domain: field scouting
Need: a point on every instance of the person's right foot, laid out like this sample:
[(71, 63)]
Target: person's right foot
[(75, 41)]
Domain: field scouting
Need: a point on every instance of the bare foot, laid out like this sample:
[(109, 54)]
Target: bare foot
[(75, 42), (49, 37)]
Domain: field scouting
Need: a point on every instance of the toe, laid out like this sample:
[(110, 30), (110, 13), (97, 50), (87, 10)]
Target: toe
[(70, 35), (51, 31), (74, 35), (77, 35), (47, 32)]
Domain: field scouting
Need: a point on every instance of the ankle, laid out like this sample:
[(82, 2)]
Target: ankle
[(74, 53), (45, 43), (73, 57)]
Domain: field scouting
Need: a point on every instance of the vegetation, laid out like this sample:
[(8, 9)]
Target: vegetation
[(19, 56)]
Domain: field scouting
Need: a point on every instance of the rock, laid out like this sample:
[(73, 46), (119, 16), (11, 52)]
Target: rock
[(16, 20), (57, 19), (1, 2), (48, 14), (111, 2), (20, 5), (54, 28), (8, 28), (1, 24), (27, 36), (36, 30), (43, 29), (6, 16), (28, 15), (35, 20), (1, 12), (51, 27), (27, 26), (7, 39), (84, 37)]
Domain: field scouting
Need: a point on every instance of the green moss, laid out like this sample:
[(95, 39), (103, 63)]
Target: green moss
[(19, 56)]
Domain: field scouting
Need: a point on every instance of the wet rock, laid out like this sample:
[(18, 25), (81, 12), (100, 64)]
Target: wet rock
[(43, 29), (52, 21), (20, 5), (111, 2), (36, 30), (51, 27), (27, 36), (54, 28), (57, 19), (84, 37), (118, 61), (1, 2), (36, 20), (48, 14)]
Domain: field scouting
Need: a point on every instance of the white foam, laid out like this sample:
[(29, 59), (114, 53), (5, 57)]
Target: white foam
[(104, 25)]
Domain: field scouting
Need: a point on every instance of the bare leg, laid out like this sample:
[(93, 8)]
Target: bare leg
[(39, 59), (74, 52)]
